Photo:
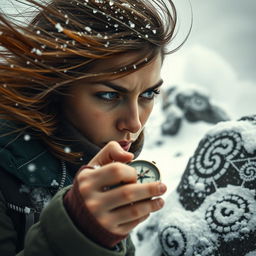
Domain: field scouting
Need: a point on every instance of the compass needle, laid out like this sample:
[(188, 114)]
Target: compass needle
[(146, 171)]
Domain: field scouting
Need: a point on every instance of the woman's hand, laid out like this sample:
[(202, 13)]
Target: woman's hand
[(121, 208)]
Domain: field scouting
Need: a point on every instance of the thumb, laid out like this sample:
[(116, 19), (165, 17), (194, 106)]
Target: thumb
[(112, 152)]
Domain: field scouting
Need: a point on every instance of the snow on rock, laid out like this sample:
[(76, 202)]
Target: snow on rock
[(194, 104), (212, 212), (224, 219), (244, 128)]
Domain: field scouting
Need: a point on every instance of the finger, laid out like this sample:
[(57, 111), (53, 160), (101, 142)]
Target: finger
[(114, 174), (136, 211), (130, 193), (111, 152), (128, 227)]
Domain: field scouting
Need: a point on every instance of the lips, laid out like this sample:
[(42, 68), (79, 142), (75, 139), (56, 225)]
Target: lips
[(125, 144)]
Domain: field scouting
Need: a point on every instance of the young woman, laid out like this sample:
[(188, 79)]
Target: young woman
[(77, 86)]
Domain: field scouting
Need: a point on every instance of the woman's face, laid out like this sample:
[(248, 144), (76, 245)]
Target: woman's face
[(117, 109)]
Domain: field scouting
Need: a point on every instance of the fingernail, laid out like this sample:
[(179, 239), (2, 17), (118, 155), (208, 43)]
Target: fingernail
[(162, 188), (160, 202)]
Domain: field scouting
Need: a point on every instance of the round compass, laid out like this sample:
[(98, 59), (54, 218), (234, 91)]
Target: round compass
[(146, 171)]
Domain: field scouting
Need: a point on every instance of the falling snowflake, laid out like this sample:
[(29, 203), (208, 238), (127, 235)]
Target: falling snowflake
[(36, 51), (27, 210), (54, 183), (67, 150), (59, 27), (132, 25), (27, 137), (31, 167), (126, 5), (88, 29)]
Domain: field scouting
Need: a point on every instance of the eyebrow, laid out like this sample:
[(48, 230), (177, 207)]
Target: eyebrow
[(124, 90)]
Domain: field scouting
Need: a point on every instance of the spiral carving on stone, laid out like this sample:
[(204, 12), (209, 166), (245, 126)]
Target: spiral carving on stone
[(229, 215), (212, 160), (173, 241), (248, 171)]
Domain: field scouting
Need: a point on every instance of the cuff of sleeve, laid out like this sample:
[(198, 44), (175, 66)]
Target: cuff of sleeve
[(86, 222)]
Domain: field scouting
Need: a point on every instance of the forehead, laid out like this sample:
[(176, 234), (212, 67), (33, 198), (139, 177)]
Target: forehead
[(117, 62), (144, 77), (148, 75)]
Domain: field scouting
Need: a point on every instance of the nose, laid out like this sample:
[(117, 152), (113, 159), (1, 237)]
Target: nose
[(129, 118)]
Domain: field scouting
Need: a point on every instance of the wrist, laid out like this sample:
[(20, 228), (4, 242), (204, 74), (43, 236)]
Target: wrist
[(86, 222)]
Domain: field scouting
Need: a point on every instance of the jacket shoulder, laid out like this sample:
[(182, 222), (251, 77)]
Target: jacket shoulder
[(27, 157)]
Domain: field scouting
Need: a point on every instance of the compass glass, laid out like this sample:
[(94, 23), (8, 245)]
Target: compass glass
[(146, 171)]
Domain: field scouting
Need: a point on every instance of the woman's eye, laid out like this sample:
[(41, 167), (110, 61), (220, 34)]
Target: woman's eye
[(108, 95), (149, 95)]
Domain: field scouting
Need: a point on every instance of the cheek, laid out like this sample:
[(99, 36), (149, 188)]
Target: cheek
[(90, 115), (90, 123), (79, 111), (145, 113)]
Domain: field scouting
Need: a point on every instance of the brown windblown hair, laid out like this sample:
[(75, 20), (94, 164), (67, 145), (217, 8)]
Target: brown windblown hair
[(65, 39)]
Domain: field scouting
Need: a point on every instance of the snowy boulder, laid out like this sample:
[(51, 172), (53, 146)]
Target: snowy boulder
[(172, 121), (191, 103), (213, 210)]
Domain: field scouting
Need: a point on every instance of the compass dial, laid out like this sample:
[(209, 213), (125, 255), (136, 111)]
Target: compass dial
[(146, 171)]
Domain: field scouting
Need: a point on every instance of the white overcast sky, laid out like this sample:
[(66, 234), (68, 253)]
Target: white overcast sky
[(220, 53), (228, 26)]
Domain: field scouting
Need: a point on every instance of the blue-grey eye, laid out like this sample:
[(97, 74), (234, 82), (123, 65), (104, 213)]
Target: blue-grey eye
[(149, 94), (108, 95)]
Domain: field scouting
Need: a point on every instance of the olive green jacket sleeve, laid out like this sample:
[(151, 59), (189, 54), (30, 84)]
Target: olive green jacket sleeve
[(55, 234)]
